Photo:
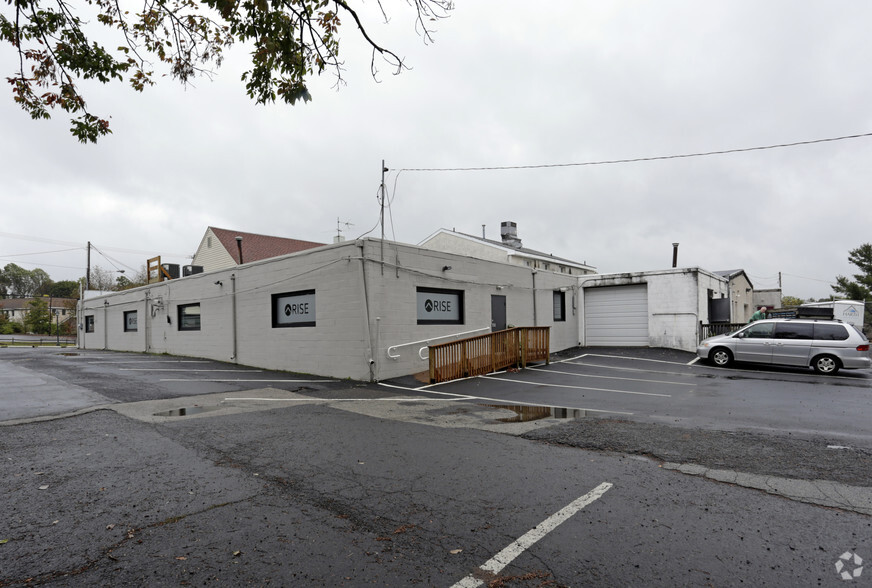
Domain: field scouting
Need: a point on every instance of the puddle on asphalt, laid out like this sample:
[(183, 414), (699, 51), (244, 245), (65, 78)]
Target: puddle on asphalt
[(69, 354), (187, 411), (526, 414)]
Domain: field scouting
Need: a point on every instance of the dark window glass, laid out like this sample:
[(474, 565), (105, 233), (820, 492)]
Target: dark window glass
[(824, 332), (559, 305), (759, 331), (189, 317), (794, 331), (89, 324), (130, 321)]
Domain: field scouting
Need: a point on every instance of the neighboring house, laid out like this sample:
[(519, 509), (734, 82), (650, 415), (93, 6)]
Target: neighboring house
[(16, 309), (741, 295), (508, 250), (219, 248), (770, 298)]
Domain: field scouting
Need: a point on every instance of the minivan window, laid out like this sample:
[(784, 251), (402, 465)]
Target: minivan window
[(794, 331), (824, 332), (758, 331)]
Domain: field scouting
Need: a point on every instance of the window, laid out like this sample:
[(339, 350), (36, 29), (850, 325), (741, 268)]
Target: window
[(209, 242), (189, 317), (825, 332), (437, 306), (794, 331), (293, 309), (89, 323), (130, 321), (559, 306), (759, 331)]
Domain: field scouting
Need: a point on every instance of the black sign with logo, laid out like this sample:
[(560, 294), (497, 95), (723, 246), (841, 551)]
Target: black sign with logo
[(293, 309)]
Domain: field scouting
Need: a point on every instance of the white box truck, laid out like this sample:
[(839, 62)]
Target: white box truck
[(849, 311)]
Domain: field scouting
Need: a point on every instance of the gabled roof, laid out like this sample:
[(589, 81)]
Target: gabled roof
[(24, 303), (512, 250), (733, 273), (256, 247)]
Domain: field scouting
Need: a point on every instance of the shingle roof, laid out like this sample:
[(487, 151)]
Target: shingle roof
[(24, 303), (256, 247)]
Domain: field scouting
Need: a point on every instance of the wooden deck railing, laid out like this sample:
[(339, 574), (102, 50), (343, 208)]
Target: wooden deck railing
[(488, 353)]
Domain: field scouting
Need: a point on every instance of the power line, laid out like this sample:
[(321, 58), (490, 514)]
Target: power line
[(640, 159), (82, 246), (43, 252)]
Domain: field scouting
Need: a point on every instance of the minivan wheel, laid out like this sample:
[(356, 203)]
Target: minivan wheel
[(721, 357), (825, 364)]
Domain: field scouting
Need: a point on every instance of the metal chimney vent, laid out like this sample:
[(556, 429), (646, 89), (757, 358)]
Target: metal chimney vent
[(509, 234)]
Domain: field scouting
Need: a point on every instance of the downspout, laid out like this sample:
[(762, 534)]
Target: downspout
[(146, 316), (373, 367), (233, 315), (105, 325), (80, 317), (535, 318)]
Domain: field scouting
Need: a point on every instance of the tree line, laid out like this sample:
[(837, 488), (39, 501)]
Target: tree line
[(17, 282)]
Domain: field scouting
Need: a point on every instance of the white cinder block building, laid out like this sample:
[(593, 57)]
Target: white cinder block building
[(334, 311), (364, 309)]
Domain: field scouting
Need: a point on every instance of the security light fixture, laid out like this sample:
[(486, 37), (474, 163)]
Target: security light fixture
[(445, 268)]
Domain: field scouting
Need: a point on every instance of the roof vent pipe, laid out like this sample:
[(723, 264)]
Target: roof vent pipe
[(239, 246), (675, 255)]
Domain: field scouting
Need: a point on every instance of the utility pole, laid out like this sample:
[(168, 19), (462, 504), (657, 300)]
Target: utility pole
[(382, 216), (88, 276)]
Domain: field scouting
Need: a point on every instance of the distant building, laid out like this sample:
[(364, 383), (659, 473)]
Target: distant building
[(219, 248), (507, 250), (16, 309), (741, 295), (770, 298)]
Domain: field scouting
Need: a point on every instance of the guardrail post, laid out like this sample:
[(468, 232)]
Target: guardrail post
[(432, 354)]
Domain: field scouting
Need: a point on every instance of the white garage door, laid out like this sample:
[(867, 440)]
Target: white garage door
[(616, 316)]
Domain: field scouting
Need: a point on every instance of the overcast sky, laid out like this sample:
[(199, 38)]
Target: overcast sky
[(578, 81)]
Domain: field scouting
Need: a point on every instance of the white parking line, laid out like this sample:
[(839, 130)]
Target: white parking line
[(509, 402), (583, 355), (629, 369), (181, 370), (578, 387), (155, 361), (425, 389), (496, 564), (329, 399), (609, 377), (233, 380)]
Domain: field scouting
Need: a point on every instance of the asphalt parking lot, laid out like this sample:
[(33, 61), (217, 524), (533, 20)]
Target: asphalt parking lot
[(632, 466)]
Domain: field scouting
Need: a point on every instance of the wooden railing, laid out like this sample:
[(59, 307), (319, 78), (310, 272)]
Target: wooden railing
[(710, 330), (488, 353)]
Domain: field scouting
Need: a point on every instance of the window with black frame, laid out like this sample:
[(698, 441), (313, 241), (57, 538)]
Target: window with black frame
[(130, 321), (559, 306), (189, 317), (89, 323)]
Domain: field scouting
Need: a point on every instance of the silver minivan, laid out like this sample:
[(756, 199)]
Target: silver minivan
[(825, 345)]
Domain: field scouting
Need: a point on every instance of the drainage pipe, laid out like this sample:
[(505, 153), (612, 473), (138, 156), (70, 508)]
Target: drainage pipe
[(105, 325), (535, 320), (373, 368), (233, 314), (145, 318)]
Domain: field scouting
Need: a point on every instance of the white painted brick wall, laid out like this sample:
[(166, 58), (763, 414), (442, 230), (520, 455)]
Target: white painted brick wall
[(342, 341)]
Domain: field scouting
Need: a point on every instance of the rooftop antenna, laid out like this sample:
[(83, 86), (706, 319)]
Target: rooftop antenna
[(339, 238)]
